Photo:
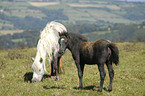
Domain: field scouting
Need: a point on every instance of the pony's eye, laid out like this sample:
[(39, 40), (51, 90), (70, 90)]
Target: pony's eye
[(41, 60)]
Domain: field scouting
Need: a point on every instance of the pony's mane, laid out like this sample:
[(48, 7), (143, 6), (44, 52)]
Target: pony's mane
[(48, 41), (51, 27), (78, 37), (49, 36)]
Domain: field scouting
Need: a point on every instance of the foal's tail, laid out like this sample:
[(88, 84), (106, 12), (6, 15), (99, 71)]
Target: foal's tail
[(114, 53)]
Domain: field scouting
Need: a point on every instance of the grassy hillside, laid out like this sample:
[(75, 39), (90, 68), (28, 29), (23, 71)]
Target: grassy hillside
[(24, 15), (129, 75)]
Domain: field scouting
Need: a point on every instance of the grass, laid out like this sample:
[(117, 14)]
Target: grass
[(129, 77), (18, 40)]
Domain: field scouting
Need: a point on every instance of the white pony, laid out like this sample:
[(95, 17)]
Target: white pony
[(47, 46)]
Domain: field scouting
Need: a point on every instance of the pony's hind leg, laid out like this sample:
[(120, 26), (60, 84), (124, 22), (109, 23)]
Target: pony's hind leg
[(102, 76), (59, 64), (111, 74)]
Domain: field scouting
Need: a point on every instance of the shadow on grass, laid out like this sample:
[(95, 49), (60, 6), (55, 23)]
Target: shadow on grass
[(53, 87), (29, 75), (85, 88), (90, 88), (106, 90)]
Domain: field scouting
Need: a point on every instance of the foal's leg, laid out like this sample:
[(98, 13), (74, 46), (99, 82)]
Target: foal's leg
[(80, 68), (102, 76), (111, 74), (80, 73)]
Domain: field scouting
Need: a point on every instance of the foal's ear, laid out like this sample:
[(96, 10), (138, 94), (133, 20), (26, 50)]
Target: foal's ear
[(63, 34), (66, 35)]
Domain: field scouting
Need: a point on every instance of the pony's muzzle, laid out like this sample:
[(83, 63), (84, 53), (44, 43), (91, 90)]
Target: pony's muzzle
[(61, 52), (36, 77), (35, 80)]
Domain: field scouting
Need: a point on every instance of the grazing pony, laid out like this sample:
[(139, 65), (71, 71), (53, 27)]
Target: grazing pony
[(97, 52), (47, 46)]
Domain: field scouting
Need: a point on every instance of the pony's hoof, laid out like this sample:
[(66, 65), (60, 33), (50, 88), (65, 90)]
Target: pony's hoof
[(56, 79), (52, 77)]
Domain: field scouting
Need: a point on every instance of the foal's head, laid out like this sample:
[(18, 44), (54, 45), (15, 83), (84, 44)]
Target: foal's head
[(63, 42), (69, 40)]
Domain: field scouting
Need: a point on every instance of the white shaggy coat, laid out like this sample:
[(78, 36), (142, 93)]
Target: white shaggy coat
[(47, 46)]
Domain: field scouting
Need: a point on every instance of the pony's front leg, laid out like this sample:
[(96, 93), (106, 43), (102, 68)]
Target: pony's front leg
[(56, 67), (102, 76), (52, 69)]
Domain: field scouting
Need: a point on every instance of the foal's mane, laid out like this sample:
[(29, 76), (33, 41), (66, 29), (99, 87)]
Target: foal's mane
[(77, 37)]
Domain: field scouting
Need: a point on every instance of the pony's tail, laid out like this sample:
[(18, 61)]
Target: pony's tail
[(114, 53)]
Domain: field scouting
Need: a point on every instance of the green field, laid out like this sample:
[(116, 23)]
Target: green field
[(82, 12), (4, 32), (129, 77)]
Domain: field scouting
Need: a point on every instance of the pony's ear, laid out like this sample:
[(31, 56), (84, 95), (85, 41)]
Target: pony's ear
[(32, 59), (59, 34)]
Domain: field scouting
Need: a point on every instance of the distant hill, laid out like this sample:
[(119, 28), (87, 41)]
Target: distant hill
[(21, 21), (114, 33), (31, 15)]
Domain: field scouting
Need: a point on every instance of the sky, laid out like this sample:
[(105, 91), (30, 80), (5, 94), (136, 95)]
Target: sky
[(134, 0)]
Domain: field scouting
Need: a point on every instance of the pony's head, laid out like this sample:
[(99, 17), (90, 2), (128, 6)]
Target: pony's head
[(38, 66), (38, 70)]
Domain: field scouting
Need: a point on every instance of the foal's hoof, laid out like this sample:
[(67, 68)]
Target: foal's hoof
[(109, 90), (99, 90), (56, 79)]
